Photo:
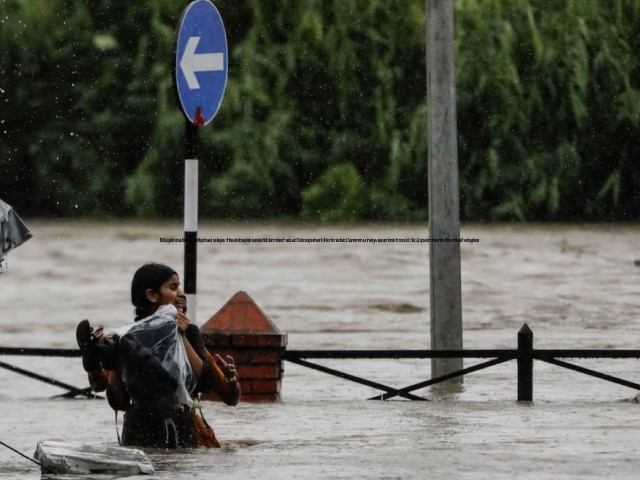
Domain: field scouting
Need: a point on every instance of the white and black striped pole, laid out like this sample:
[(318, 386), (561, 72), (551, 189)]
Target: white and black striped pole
[(191, 221), (201, 67)]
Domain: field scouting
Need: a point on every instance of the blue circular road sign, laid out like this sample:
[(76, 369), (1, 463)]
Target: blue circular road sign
[(201, 61)]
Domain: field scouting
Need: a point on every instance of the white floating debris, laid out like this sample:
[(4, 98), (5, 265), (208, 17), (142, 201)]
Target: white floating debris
[(95, 459)]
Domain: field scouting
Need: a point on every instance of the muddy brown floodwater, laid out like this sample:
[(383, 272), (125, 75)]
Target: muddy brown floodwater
[(575, 286)]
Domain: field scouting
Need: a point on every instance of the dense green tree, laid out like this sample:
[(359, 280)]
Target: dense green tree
[(324, 114), (549, 109)]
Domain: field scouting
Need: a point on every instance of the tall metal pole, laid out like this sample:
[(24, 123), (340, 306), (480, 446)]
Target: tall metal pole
[(191, 219), (444, 204)]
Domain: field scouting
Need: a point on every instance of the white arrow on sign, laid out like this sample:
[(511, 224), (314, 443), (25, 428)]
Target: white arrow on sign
[(192, 62)]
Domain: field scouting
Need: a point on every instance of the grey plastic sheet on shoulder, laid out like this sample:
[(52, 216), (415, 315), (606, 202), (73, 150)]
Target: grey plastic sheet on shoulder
[(13, 231), (155, 366)]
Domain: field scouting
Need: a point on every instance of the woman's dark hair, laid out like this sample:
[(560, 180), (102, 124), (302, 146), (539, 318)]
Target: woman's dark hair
[(149, 276)]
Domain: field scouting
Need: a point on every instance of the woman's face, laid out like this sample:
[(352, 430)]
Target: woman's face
[(170, 293)]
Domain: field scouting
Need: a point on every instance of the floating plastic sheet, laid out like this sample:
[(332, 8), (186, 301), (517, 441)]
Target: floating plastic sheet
[(80, 459)]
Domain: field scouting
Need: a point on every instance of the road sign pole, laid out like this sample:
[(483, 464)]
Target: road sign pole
[(191, 219), (201, 66)]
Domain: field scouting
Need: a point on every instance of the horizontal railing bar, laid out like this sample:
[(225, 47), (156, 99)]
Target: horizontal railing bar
[(40, 352), (297, 354), (543, 354), (538, 353), (470, 353)]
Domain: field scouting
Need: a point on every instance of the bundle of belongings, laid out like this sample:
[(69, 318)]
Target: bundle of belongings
[(155, 366)]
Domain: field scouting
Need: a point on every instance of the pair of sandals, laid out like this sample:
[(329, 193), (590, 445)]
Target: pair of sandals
[(96, 355)]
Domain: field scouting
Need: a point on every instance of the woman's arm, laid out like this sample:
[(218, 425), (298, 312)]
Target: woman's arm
[(218, 375), (117, 394), (194, 359), (226, 382)]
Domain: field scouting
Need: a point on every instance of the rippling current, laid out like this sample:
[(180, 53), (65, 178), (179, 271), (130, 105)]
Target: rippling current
[(575, 286)]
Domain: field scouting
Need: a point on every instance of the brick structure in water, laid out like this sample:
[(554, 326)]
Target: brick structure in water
[(241, 329)]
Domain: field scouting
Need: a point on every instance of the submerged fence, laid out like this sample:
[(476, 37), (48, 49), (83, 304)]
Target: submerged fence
[(72, 391), (524, 354)]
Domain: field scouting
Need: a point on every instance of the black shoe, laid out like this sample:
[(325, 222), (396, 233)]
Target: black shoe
[(84, 337)]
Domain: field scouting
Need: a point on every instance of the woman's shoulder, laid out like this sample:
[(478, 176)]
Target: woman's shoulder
[(192, 332), (192, 329)]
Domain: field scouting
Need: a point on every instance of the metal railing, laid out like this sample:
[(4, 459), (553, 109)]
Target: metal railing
[(72, 391), (525, 355), (297, 356)]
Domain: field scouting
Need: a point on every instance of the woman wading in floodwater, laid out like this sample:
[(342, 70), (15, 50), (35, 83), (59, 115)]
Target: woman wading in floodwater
[(147, 386)]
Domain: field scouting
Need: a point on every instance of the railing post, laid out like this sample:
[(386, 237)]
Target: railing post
[(525, 364)]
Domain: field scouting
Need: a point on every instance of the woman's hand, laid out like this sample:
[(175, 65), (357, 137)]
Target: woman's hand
[(228, 367), (98, 333), (182, 321)]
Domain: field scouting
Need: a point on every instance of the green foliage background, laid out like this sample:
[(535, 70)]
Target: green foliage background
[(324, 115)]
